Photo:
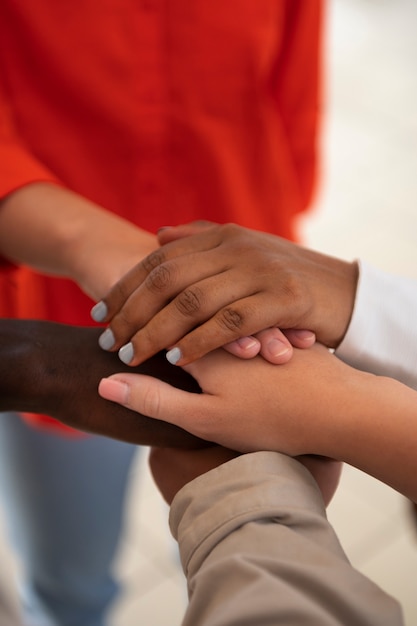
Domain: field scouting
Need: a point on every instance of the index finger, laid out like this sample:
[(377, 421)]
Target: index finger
[(113, 302)]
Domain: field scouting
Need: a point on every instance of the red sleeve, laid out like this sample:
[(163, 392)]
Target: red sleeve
[(18, 167)]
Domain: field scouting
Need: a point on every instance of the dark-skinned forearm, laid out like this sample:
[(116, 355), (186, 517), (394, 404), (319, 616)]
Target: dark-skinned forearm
[(55, 369)]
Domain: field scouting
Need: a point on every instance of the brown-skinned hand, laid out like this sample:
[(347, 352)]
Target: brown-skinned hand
[(221, 285)]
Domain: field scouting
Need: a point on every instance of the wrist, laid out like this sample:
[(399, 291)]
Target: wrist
[(373, 429), (335, 299), (345, 300), (55, 217), (21, 366), (341, 413), (71, 237)]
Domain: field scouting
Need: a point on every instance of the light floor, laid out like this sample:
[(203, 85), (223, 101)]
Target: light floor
[(366, 208)]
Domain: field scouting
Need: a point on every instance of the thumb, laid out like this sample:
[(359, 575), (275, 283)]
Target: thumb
[(153, 398)]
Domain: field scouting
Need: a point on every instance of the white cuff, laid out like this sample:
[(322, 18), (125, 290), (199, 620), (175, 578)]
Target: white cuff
[(382, 335)]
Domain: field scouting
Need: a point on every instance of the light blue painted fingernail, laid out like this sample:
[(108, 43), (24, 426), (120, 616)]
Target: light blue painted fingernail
[(99, 311), (106, 340), (174, 355), (126, 353)]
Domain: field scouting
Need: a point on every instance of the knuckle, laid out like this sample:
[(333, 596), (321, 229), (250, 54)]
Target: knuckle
[(230, 229), (237, 237), (158, 279), (292, 290), (153, 260), (230, 319), (189, 301), (294, 296), (203, 223)]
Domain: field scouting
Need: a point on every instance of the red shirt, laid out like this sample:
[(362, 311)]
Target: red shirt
[(163, 112)]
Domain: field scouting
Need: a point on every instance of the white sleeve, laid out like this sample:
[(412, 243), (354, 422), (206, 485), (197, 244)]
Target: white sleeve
[(256, 548), (382, 334)]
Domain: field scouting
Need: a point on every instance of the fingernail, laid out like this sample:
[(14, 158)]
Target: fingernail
[(162, 228), (106, 340), (113, 390), (306, 335), (99, 311), (174, 355), (247, 342), (126, 353), (277, 347)]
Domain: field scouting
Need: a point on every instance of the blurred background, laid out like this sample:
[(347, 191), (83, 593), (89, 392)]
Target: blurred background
[(365, 207)]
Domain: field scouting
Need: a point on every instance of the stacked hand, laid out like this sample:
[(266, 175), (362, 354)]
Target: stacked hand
[(251, 405), (210, 286)]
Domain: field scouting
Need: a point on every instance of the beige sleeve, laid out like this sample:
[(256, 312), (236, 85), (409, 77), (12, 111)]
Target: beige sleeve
[(8, 611), (256, 548)]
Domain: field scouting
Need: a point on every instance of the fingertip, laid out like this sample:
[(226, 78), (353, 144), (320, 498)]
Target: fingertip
[(163, 234), (249, 344), (301, 338), (174, 355), (126, 353), (309, 341), (276, 351), (244, 347), (114, 390), (107, 340), (308, 337), (99, 311)]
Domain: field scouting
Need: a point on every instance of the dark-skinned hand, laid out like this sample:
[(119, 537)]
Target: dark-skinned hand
[(55, 369)]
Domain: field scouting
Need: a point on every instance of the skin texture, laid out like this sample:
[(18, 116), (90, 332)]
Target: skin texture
[(314, 404), (204, 290), (55, 369)]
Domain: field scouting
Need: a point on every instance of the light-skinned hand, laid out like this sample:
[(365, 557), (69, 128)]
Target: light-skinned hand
[(314, 404)]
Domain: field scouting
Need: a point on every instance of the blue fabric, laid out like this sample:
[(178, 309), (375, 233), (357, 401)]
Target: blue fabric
[(63, 502)]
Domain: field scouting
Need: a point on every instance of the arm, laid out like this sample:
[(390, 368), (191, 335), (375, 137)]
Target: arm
[(314, 404), (59, 232), (256, 547), (55, 369), (54, 230)]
